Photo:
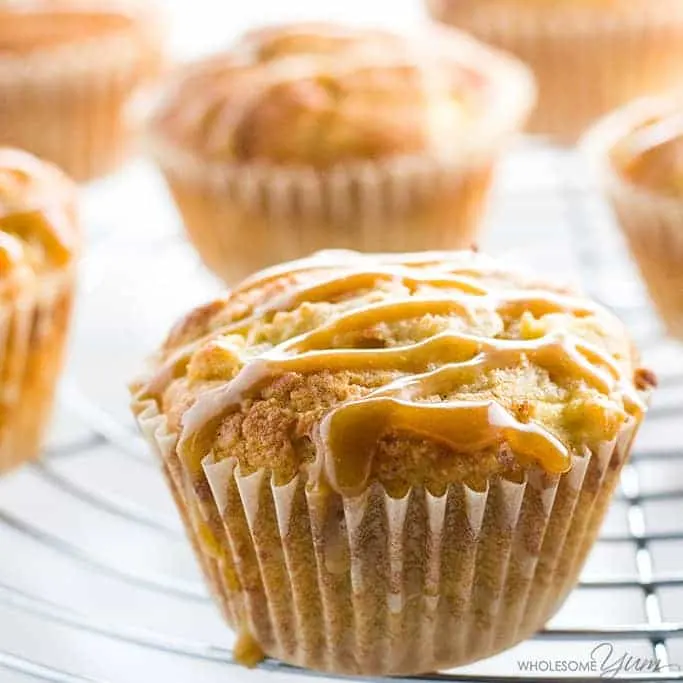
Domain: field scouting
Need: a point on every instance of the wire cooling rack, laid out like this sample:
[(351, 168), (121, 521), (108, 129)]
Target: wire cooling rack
[(96, 580)]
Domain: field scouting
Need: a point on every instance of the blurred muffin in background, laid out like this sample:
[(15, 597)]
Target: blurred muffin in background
[(310, 136), (68, 70), (638, 155), (392, 464), (589, 56), (39, 243)]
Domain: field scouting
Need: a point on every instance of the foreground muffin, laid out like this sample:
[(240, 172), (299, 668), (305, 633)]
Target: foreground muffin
[(392, 464), (637, 153), (68, 70), (589, 56), (39, 242), (311, 136)]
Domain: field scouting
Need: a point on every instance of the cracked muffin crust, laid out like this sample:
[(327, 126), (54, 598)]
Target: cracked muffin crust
[(320, 95), (376, 451), (300, 131), (39, 244)]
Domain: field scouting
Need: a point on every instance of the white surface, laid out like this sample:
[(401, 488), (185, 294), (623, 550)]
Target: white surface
[(104, 572)]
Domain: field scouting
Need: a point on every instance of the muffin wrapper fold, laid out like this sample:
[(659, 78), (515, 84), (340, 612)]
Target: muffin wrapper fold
[(379, 585), (651, 223), (71, 105), (587, 62), (654, 231), (33, 333), (243, 219)]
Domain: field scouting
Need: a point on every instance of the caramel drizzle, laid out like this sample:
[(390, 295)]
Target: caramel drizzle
[(11, 252), (460, 425), (35, 211), (439, 365), (345, 259), (348, 280), (43, 229)]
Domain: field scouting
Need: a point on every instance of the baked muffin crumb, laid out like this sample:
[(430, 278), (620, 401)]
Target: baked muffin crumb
[(449, 369)]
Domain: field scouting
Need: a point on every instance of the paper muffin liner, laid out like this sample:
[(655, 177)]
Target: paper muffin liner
[(69, 105), (379, 585), (243, 217), (651, 223), (33, 332), (241, 221), (587, 60)]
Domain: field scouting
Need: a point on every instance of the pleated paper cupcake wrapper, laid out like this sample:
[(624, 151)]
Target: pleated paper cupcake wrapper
[(651, 223), (69, 106), (378, 585), (244, 219), (653, 228), (33, 332), (587, 62)]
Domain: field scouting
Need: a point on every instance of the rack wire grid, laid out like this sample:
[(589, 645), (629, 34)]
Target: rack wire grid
[(97, 582)]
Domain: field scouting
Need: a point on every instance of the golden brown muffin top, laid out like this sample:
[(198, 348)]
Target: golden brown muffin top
[(35, 25), (550, 4), (320, 94), (553, 10), (651, 155), (410, 370), (38, 230)]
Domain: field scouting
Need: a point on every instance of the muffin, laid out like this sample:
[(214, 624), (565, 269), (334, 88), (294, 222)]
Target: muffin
[(312, 136), (589, 56), (637, 154), (392, 464), (39, 242), (68, 70)]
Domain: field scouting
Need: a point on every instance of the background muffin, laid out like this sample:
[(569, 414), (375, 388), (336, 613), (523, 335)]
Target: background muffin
[(39, 241), (68, 68), (392, 465), (638, 155), (311, 136), (589, 56)]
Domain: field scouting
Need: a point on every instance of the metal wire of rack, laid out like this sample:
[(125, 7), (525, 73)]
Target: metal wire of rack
[(77, 472)]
